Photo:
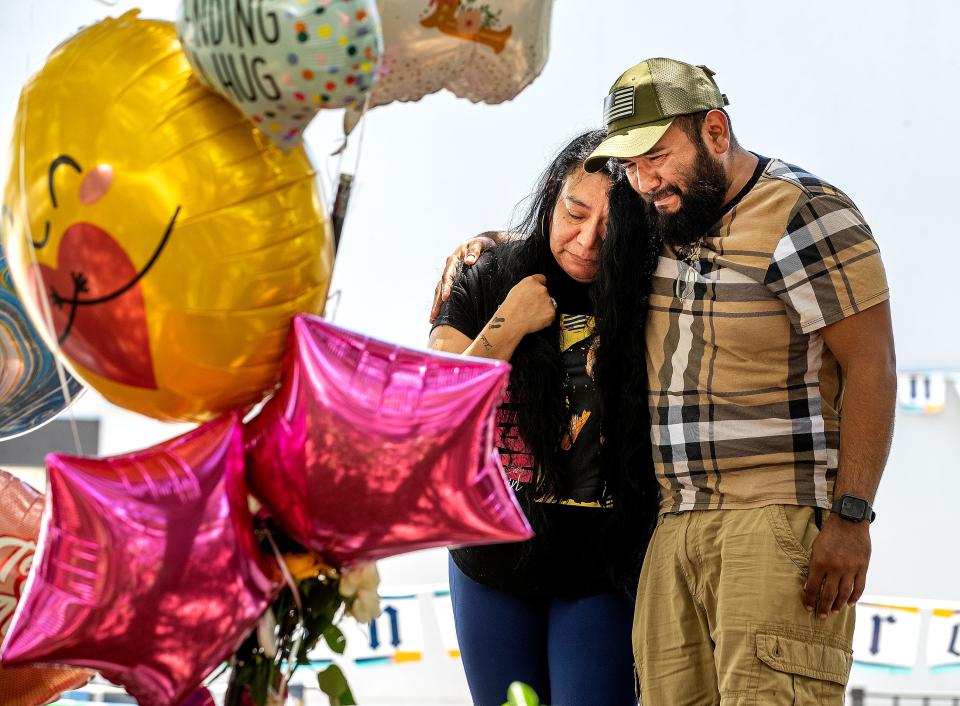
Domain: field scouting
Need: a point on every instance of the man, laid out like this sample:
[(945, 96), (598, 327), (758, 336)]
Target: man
[(768, 316)]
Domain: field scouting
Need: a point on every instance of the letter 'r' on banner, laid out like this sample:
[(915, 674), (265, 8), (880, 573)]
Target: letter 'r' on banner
[(887, 635)]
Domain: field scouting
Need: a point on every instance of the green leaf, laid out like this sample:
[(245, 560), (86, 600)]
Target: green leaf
[(333, 683), (519, 694), (335, 638), (346, 698)]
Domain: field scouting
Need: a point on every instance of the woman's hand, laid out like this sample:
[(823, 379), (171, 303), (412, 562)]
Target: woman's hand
[(528, 307)]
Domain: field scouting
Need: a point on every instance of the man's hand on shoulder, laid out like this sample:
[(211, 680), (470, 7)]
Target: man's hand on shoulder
[(465, 254), (838, 566)]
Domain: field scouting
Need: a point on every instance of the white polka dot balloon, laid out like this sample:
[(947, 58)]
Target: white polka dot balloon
[(280, 61)]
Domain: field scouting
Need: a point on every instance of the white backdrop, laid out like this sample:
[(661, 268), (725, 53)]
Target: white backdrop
[(860, 92)]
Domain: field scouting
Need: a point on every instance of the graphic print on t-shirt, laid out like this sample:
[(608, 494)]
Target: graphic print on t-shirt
[(580, 444), (575, 330), (514, 455)]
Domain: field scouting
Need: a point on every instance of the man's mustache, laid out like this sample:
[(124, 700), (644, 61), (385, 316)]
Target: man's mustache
[(663, 193)]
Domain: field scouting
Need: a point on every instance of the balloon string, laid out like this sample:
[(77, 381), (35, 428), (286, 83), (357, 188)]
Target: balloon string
[(342, 150), (293, 659), (38, 279), (334, 297), (363, 129), (336, 190)]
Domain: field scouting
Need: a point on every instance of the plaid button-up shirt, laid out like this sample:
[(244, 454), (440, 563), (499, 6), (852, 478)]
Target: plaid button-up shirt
[(745, 399)]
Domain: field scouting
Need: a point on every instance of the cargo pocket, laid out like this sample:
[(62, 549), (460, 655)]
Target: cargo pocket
[(801, 672)]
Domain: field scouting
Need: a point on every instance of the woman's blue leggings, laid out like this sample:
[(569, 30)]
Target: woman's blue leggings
[(573, 652)]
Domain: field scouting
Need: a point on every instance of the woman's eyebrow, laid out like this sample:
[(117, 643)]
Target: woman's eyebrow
[(59, 162), (577, 201)]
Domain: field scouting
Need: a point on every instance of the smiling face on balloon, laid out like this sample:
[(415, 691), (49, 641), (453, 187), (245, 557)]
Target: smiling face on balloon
[(168, 242), (94, 287)]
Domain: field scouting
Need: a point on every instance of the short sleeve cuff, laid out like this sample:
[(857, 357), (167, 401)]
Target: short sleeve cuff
[(833, 317)]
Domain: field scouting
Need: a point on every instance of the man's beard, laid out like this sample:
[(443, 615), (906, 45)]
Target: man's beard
[(700, 203)]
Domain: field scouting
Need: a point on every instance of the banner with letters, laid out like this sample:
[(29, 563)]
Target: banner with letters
[(899, 634), (925, 392), (416, 625), (396, 636), (943, 639), (887, 635)]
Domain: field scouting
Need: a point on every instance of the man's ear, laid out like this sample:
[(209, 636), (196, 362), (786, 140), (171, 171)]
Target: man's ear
[(716, 132)]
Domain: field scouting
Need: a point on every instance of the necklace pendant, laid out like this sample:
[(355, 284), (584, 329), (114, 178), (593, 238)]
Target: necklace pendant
[(685, 287)]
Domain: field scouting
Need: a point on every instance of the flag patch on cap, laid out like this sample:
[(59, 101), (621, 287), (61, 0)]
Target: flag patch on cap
[(619, 104)]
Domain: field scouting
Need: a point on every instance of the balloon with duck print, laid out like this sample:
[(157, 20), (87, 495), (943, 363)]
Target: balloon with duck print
[(483, 50)]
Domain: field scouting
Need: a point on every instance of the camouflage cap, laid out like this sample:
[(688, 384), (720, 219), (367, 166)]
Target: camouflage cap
[(644, 101)]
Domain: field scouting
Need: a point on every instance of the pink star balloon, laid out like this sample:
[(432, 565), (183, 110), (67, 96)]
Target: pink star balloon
[(20, 510), (369, 449), (146, 568)]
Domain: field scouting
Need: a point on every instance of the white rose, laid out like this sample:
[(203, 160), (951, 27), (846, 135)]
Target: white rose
[(364, 577), (365, 606), (359, 587)]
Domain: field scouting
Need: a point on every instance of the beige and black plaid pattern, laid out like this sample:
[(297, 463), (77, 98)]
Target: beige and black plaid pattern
[(744, 396)]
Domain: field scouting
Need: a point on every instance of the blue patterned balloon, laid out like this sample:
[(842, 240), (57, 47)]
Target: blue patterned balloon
[(30, 391)]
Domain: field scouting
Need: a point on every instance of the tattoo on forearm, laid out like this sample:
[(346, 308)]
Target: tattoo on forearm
[(485, 342), (497, 322)]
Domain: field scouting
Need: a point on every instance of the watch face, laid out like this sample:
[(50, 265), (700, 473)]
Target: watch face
[(854, 508)]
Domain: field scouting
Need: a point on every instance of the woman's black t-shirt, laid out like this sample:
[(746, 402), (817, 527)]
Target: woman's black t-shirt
[(570, 555)]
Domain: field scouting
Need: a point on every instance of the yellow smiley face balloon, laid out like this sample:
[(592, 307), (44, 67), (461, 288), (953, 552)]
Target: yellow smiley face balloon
[(170, 242)]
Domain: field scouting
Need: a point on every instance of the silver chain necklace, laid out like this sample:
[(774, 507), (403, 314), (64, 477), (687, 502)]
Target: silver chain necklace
[(688, 266)]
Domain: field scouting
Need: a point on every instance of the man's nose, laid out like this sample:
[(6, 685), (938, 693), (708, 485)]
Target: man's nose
[(648, 181)]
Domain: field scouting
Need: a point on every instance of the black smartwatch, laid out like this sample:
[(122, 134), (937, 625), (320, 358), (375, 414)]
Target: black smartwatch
[(854, 509)]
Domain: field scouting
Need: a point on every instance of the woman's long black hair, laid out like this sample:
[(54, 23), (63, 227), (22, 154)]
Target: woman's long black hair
[(621, 296), (536, 378), (537, 383)]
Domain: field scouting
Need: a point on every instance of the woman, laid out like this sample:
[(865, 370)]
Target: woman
[(556, 611)]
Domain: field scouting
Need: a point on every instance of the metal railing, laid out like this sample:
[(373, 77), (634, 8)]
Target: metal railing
[(861, 697)]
